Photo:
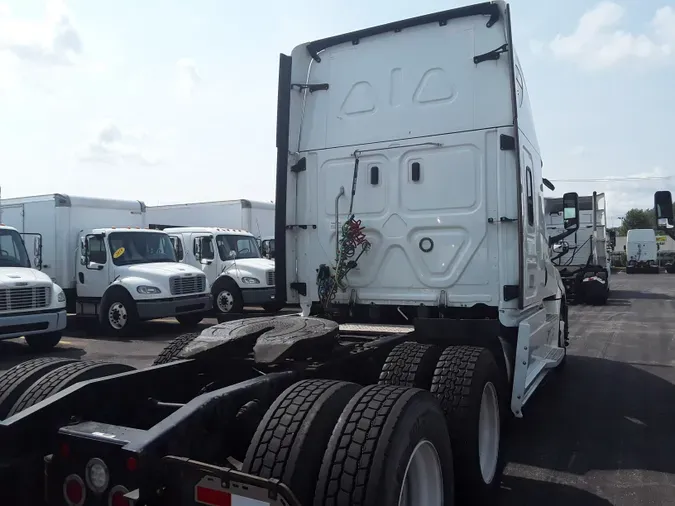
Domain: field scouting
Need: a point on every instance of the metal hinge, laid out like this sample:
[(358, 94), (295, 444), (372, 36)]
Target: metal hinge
[(311, 87), (507, 142), (491, 55), (304, 227), (301, 288), (300, 165), (503, 219)]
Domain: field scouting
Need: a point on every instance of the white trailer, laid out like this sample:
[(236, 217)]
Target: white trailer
[(583, 259), (32, 306), (108, 265), (254, 217), (641, 251)]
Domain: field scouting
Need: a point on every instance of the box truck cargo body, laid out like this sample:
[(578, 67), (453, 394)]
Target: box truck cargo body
[(106, 262), (254, 217)]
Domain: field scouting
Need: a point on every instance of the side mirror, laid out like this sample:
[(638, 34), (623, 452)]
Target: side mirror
[(663, 208), (571, 211), (84, 254)]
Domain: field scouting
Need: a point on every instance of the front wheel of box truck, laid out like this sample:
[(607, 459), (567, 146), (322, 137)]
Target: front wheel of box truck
[(472, 390), (227, 297), (390, 447), (43, 342), (118, 314)]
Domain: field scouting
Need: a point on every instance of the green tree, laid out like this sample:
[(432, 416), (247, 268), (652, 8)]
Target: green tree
[(637, 218)]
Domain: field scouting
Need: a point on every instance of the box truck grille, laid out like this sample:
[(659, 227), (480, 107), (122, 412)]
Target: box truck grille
[(270, 278), (16, 299), (183, 285)]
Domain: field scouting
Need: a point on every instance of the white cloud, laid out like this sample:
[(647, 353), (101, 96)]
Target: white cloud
[(599, 43), (188, 78), (49, 40), (114, 146)]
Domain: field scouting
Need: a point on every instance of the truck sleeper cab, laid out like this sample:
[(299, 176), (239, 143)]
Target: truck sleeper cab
[(232, 263), (583, 260), (31, 304), (641, 251), (419, 133), (127, 275)]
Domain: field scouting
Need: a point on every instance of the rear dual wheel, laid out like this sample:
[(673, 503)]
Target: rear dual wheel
[(471, 390), (335, 443)]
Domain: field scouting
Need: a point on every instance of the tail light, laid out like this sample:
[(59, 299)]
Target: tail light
[(117, 498), (74, 491)]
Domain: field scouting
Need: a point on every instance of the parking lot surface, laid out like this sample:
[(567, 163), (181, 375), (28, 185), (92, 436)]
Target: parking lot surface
[(600, 432)]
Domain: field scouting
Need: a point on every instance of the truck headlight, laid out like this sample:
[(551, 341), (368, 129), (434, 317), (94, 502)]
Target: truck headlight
[(148, 290), (250, 281), (61, 297)]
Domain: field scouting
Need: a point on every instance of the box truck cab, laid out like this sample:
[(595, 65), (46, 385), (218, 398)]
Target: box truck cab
[(641, 251), (31, 304), (108, 265), (127, 275), (232, 262)]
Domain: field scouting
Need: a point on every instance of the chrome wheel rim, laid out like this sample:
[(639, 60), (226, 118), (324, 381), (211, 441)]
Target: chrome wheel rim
[(423, 479), (489, 432), (225, 301), (117, 315)]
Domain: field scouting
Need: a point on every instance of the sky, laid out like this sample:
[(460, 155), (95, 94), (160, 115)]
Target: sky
[(170, 101)]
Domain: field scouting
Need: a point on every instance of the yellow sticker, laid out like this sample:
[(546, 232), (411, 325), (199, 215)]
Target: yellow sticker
[(119, 253)]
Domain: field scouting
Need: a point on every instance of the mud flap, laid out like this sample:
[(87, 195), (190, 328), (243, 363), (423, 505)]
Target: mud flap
[(190, 482)]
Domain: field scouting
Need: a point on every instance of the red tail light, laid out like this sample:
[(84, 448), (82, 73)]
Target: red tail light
[(117, 498), (74, 491)]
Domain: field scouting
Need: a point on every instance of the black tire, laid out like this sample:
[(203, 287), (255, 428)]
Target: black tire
[(16, 380), (372, 443), (461, 376), (190, 320), (410, 364), (272, 307), (63, 377), (171, 350), (220, 290), (292, 436), (109, 303), (43, 342)]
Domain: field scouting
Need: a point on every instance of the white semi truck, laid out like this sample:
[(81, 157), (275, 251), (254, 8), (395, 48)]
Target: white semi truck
[(583, 258), (230, 258), (409, 183), (254, 217), (641, 251), (32, 306), (108, 265)]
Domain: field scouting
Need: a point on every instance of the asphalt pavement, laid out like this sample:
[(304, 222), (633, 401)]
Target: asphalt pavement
[(600, 432)]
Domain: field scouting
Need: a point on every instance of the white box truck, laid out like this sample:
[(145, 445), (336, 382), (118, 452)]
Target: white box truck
[(233, 265), (583, 259), (254, 217), (32, 306), (641, 251), (108, 265)]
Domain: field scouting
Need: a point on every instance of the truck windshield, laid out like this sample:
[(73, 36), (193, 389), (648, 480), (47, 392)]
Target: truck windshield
[(140, 248), (243, 245), (12, 250)]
